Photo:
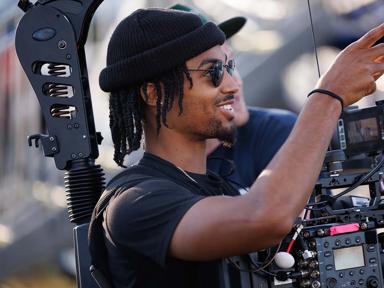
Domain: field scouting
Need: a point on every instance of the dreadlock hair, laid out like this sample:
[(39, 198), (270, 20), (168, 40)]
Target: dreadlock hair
[(126, 109)]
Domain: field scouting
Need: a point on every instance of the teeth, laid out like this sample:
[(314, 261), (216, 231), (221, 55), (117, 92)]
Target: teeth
[(228, 107)]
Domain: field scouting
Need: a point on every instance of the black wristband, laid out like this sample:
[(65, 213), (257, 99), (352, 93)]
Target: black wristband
[(329, 93)]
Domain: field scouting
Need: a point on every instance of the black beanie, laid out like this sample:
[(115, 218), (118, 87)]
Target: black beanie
[(150, 42)]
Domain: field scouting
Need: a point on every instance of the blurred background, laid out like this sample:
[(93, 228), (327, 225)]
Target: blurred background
[(274, 55)]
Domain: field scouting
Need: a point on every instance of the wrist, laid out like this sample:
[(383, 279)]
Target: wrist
[(329, 94), (325, 105)]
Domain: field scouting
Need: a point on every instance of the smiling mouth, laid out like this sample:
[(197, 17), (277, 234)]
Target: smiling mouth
[(227, 107)]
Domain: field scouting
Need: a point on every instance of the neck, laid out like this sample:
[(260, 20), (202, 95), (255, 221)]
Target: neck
[(211, 145), (176, 148)]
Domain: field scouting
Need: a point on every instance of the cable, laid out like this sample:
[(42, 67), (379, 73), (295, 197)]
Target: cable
[(260, 272), (257, 269), (349, 189), (314, 39), (297, 232)]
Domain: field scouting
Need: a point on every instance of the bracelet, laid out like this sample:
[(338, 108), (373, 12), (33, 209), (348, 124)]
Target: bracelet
[(329, 93)]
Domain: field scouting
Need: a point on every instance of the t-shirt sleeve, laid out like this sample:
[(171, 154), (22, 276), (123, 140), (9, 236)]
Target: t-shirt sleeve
[(143, 218)]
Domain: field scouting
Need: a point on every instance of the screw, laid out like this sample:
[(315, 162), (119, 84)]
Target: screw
[(51, 139), (73, 156), (80, 154), (62, 44), (84, 136), (69, 56), (76, 125), (54, 149), (69, 126)]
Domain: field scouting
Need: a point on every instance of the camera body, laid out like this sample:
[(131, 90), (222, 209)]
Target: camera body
[(338, 245)]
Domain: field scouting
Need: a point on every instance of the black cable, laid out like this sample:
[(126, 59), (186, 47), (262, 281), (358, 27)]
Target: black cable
[(259, 271), (314, 39), (349, 189)]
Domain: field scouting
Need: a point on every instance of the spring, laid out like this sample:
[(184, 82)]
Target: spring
[(58, 90), (84, 186), (57, 69), (63, 111)]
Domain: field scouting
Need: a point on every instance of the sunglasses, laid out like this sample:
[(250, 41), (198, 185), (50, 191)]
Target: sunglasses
[(216, 72)]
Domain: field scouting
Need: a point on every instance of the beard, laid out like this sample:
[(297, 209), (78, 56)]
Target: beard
[(226, 135)]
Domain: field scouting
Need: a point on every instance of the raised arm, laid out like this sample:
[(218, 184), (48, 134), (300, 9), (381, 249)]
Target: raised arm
[(220, 226)]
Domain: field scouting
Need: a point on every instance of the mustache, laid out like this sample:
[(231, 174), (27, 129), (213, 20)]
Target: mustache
[(225, 98), (228, 97)]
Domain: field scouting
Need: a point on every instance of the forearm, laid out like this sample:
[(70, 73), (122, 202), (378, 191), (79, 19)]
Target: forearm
[(286, 184)]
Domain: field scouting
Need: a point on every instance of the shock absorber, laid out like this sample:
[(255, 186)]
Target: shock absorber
[(84, 182)]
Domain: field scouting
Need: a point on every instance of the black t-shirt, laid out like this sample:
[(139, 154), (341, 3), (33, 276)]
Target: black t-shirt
[(139, 223)]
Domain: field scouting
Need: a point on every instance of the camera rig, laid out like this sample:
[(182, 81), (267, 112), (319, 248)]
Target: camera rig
[(337, 244), (50, 41)]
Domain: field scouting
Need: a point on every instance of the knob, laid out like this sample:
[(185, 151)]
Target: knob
[(372, 282), (331, 282), (313, 264), (315, 274)]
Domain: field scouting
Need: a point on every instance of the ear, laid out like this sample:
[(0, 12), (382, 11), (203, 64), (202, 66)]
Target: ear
[(149, 94)]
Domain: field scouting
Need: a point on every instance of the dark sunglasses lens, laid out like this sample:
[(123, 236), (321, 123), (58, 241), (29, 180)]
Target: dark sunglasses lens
[(217, 73), (231, 67)]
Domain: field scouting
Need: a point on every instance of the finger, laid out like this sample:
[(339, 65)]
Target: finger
[(377, 68), (370, 38), (377, 51), (372, 88), (377, 75), (369, 89), (379, 59)]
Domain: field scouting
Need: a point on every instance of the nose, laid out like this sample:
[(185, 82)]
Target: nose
[(237, 77), (230, 84)]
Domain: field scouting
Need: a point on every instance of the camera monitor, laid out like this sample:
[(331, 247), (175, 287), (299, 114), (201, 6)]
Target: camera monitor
[(360, 131)]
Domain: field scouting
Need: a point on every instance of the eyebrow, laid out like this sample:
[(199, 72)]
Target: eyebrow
[(211, 60)]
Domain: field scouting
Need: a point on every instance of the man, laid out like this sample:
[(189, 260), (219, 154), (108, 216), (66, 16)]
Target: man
[(171, 221), (260, 133)]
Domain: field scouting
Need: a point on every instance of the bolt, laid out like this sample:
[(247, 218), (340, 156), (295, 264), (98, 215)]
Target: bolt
[(51, 139), (80, 154), (62, 44), (364, 226), (320, 232), (73, 156), (54, 149)]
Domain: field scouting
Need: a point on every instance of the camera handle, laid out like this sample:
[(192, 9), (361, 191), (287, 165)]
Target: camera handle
[(50, 42)]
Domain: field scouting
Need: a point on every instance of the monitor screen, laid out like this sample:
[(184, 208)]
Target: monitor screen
[(363, 130), (350, 257)]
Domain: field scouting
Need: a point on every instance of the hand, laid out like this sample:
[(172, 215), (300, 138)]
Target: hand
[(355, 70)]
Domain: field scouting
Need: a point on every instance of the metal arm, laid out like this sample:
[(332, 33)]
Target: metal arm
[(50, 42)]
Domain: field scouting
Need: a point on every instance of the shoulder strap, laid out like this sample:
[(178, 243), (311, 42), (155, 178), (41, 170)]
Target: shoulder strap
[(99, 263)]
